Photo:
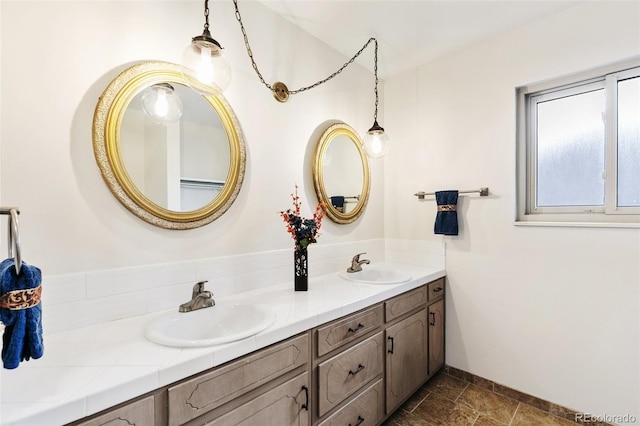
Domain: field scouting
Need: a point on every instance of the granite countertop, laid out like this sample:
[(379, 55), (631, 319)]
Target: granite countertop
[(87, 370)]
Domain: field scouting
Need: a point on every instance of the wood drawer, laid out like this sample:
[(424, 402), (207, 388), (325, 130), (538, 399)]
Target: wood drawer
[(366, 409), (140, 413), (343, 331), (436, 289), (284, 405), (342, 375), (406, 302), (201, 394)]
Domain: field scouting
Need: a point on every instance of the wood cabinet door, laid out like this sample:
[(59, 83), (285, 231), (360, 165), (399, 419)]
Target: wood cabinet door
[(284, 405), (406, 358), (436, 336)]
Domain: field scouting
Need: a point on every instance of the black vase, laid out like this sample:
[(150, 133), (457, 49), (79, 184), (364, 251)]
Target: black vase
[(300, 266)]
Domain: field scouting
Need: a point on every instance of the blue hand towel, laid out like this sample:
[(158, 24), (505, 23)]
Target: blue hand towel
[(447, 216), (337, 201), (22, 338)]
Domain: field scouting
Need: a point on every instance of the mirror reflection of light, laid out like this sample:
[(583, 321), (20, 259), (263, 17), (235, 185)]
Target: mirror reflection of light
[(162, 104)]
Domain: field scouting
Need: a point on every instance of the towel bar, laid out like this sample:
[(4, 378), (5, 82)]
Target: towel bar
[(14, 235), (484, 191)]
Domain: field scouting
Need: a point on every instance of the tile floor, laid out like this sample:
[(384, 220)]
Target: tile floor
[(448, 401)]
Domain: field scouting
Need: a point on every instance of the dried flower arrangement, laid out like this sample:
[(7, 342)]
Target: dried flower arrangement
[(303, 231)]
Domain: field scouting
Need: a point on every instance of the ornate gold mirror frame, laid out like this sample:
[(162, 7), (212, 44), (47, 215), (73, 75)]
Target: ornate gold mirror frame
[(341, 169), (107, 123)]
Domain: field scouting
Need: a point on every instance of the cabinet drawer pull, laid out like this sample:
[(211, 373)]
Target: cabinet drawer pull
[(359, 422), (433, 318), (437, 289), (306, 398), (390, 350), (359, 369), (353, 330)]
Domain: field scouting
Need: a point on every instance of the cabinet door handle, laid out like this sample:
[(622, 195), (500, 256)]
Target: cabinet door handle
[(306, 398), (359, 369), (433, 318), (359, 422), (390, 350), (353, 330)]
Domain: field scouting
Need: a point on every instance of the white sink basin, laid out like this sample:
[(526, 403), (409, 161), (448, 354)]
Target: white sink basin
[(208, 326), (376, 275)]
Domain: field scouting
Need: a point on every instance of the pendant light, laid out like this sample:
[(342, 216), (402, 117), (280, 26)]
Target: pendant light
[(204, 66), (375, 142), (162, 104)]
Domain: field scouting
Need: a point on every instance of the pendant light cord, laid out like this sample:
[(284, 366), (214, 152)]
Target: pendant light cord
[(206, 15), (375, 72), (317, 83)]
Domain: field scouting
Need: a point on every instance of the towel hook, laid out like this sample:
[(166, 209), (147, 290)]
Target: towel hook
[(14, 239)]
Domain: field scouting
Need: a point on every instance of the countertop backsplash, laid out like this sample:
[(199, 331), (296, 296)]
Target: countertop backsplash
[(78, 300)]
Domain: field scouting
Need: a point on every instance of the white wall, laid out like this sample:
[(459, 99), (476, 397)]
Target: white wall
[(552, 312), (58, 57)]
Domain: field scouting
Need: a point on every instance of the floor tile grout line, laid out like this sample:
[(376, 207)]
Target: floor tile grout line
[(461, 392), (477, 417), (421, 401), (514, 413), (481, 413)]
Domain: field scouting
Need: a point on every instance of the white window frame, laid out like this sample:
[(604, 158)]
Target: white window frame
[(527, 97), (611, 135)]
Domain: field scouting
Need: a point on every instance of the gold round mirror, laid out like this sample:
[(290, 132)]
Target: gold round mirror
[(341, 173), (180, 170)]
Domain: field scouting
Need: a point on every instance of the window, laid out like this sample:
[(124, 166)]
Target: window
[(579, 149)]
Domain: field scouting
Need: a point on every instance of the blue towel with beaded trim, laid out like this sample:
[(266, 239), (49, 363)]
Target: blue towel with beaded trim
[(447, 216), (22, 337), (337, 201)]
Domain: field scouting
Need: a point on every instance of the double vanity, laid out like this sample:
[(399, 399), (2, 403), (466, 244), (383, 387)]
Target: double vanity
[(349, 350), (355, 365), (344, 352)]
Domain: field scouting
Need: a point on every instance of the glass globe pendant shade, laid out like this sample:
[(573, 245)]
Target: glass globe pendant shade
[(162, 104), (375, 142), (204, 62)]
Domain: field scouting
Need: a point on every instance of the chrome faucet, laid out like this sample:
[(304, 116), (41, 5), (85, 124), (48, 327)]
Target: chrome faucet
[(356, 263), (200, 298)]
